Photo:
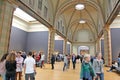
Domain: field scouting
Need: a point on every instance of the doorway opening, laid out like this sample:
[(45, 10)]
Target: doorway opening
[(83, 50)]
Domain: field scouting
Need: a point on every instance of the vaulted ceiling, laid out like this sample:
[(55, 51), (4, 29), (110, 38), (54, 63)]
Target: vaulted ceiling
[(93, 15)]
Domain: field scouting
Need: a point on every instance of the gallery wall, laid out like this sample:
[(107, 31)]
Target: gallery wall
[(28, 41), (58, 46), (115, 42), (18, 39)]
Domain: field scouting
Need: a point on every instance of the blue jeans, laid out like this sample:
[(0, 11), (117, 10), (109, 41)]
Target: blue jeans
[(31, 76), (65, 66), (100, 75), (3, 76), (10, 77)]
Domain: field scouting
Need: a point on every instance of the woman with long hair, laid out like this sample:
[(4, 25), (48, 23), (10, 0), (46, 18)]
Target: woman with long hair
[(19, 61), (10, 66), (2, 66)]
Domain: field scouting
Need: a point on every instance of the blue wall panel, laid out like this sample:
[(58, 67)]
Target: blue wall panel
[(58, 46), (38, 41), (68, 48), (18, 39), (28, 41), (115, 42)]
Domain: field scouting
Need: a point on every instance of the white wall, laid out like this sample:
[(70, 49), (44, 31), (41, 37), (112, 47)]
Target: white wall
[(75, 49), (92, 50), (84, 35), (17, 22)]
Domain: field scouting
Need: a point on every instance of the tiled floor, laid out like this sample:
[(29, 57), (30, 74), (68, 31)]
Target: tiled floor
[(57, 74)]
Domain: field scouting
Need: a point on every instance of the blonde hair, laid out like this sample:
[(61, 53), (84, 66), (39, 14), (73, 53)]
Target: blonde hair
[(11, 57), (86, 56)]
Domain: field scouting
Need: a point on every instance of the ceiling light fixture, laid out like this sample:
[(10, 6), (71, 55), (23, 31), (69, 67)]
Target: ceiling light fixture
[(79, 6), (82, 21)]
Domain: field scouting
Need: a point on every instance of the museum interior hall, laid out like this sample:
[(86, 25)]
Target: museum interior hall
[(61, 28)]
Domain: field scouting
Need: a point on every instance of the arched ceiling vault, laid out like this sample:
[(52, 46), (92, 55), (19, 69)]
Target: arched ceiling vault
[(72, 16), (89, 24), (78, 27)]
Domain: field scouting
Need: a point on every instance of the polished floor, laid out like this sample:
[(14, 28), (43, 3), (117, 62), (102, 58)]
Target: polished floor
[(57, 74)]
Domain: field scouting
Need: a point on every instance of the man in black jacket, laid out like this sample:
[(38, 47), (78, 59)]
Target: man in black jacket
[(74, 60), (52, 61)]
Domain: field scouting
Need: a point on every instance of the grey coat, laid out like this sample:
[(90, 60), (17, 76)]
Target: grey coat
[(98, 66)]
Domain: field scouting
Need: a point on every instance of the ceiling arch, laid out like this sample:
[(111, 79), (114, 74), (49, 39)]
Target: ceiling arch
[(72, 16), (71, 4), (88, 23)]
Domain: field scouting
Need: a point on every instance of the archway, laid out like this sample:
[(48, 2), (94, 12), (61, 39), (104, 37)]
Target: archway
[(83, 50)]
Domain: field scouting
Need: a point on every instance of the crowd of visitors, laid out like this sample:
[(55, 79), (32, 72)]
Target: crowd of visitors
[(13, 63)]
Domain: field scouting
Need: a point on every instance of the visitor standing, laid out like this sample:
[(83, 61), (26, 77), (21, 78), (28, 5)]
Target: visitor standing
[(29, 67)]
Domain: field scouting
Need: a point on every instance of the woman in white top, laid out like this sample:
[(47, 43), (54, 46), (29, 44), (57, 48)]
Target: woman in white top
[(114, 66), (19, 61), (42, 60)]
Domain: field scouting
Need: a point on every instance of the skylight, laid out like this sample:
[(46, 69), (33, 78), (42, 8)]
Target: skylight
[(79, 6), (82, 21), (23, 15)]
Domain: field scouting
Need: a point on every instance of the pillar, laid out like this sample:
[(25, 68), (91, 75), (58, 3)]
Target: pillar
[(71, 48), (65, 47), (98, 46), (6, 16), (51, 44), (107, 46)]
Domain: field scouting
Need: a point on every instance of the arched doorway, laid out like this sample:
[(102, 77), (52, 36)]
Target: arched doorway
[(83, 50)]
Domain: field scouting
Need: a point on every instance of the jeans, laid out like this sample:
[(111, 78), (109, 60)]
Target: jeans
[(65, 66), (52, 65), (74, 65), (100, 75), (31, 76), (3, 76), (10, 77)]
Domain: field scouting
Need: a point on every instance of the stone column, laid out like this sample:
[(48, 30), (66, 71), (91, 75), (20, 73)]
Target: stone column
[(98, 46), (65, 47), (6, 16), (51, 44), (107, 46), (71, 48)]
